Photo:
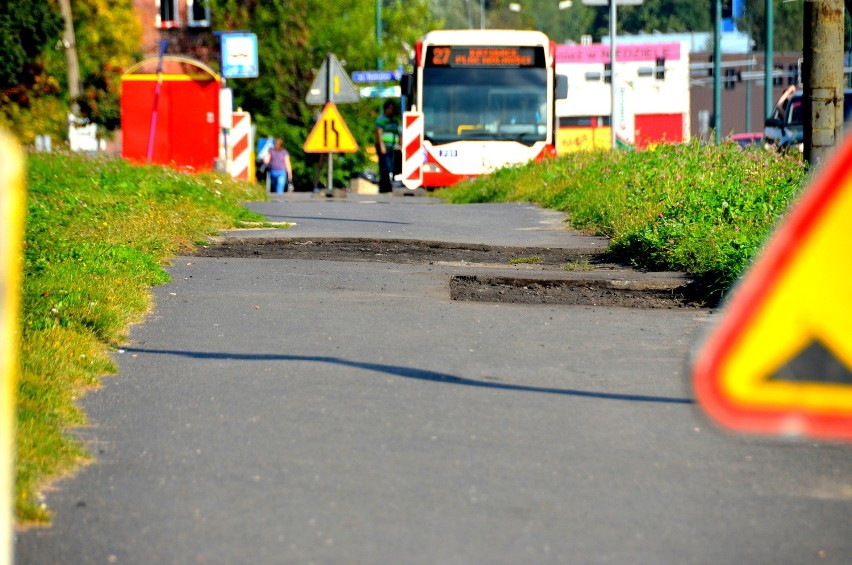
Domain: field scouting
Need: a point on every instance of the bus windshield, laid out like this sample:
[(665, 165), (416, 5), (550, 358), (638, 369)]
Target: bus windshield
[(481, 103)]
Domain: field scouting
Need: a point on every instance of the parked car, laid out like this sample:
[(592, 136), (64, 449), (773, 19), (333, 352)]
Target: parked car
[(749, 139), (784, 129)]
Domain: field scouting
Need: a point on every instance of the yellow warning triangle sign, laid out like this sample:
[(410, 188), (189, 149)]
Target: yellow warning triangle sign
[(780, 360), (330, 134)]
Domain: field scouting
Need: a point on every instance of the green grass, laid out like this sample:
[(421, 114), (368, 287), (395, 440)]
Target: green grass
[(525, 260), (579, 265), (699, 208), (98, 233)]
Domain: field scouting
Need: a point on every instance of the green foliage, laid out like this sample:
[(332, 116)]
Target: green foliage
[(702, 209), (28, 93), (107, 35), (97, 233), (525, 260), (293, 40), (543, 15), (40, 114), (664, 16), (26, 28), (570, 24), (100, 101), (787, 24)]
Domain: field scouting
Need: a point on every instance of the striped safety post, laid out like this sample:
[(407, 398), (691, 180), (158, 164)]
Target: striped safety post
[(241, 146), (412, 149), (11, 243)]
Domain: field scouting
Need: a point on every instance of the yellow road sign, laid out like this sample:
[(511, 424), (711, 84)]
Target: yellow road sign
[(330, 134), (780, 361)]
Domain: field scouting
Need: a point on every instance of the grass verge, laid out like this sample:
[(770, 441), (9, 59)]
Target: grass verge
[(699, 208), (97, 234)]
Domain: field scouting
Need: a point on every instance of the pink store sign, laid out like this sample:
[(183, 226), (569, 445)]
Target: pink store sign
[(599, 52)]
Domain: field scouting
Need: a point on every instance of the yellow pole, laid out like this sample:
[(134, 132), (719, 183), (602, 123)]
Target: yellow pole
[(11, 241)]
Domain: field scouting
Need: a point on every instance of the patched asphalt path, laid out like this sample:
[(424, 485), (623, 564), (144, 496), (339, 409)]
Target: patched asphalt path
[(305, 411)]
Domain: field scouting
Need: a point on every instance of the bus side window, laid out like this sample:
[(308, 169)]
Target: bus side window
[(562, 86)]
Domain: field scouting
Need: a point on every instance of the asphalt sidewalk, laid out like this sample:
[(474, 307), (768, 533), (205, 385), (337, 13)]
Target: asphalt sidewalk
[(308, 411)]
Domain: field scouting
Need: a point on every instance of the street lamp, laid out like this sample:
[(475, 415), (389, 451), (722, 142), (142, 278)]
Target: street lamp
[(612, 16)]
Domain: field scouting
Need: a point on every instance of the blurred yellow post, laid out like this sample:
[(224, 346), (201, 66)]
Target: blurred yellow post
[(11, 242)]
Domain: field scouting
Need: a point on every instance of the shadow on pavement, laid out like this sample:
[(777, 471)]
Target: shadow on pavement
[(329, 219), (412, 373)]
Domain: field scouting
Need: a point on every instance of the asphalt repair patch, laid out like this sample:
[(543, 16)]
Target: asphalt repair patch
[(550, 275)]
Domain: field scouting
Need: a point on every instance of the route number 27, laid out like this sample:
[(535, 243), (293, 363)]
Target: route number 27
[(440, 56)]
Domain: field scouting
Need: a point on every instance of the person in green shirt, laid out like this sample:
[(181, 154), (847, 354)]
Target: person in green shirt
[(387, 141)]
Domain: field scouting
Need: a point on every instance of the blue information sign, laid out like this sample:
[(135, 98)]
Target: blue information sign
[(239, 55), (375, 76)]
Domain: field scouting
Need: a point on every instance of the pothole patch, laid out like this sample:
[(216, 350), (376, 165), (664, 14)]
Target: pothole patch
[(394, 251), (620, 293), (550, 275)]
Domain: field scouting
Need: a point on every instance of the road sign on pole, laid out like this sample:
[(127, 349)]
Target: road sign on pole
[(780, 361), (330, 134), (239, 54), (332, 84)]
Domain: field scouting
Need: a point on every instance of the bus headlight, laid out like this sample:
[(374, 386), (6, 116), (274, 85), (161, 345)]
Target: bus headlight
[(432, 168)]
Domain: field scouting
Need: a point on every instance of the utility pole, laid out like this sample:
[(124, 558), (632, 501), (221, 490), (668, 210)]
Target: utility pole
[(768, 63), (717, 70), (70, 44), (823, 74), (612, 85)]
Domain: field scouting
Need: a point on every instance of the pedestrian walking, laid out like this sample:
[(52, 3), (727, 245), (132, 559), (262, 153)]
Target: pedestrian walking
[(280, 172)]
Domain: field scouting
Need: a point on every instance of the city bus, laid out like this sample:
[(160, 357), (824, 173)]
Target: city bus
[(487, 99)]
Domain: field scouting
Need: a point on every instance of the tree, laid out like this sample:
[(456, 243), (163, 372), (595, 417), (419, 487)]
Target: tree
[(568, 25), (657, 15), (455, 14), (34, 94), (787, 24), (563, 26), (108, 38), (293, 40), (26, 28), (666, 16)]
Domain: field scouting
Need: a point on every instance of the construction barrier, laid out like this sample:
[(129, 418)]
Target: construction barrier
[(412, 149), (241, 145), (11, 243)]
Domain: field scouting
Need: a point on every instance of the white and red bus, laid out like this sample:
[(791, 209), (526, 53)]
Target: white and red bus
[(487, 99)]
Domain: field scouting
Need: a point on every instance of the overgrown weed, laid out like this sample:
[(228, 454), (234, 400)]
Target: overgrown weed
[(525, 260)]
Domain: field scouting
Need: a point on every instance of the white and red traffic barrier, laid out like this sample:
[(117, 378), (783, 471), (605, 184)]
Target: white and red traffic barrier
[(239, 141), (412, 149)]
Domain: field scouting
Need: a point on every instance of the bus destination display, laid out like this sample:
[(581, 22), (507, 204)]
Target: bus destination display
[(478, 56)]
